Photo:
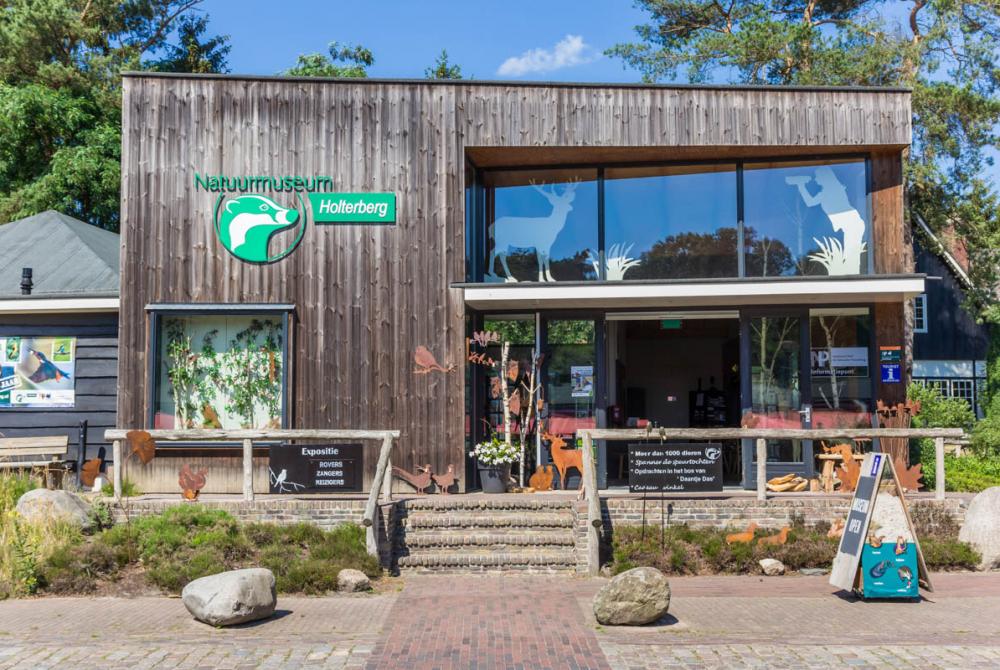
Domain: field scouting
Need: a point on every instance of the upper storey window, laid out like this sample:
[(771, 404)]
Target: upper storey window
[(806, 218), (705, 220), (543, 225)]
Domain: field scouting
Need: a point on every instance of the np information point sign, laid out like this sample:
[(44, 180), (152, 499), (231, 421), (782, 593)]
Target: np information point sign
[(353, 207)]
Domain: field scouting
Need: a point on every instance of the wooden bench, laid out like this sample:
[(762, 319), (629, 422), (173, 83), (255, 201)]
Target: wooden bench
[(45, 455)]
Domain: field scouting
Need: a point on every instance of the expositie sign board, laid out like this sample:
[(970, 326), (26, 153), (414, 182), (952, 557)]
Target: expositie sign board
[(316, 468), (675, 468), (860, 519)]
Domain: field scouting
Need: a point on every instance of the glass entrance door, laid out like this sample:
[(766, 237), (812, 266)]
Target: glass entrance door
[(776, 363)]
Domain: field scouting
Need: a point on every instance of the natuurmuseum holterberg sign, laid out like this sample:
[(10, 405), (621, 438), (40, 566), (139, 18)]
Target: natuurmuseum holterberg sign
[(252, 223)]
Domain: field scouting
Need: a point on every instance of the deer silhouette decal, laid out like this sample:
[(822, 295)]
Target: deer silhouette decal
[(534, 232)]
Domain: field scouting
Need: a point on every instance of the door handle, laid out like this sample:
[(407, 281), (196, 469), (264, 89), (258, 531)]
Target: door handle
[(807, 414)]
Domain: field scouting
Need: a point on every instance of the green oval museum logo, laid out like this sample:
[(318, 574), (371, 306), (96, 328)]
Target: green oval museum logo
[(247, 224)]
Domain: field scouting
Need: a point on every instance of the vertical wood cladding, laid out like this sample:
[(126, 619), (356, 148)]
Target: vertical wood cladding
[(96, 378), (366, 296)]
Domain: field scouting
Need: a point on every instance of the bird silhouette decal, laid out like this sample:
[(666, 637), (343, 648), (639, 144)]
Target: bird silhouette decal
[(427, 363), (46, 369)]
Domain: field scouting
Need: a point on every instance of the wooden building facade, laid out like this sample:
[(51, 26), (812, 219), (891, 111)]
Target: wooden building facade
[(354, 300)]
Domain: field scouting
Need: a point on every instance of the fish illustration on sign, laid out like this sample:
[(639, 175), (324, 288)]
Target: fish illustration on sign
[(879, 569)]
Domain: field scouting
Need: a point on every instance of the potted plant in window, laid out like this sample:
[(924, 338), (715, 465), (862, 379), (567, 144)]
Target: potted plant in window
[(494, 458)]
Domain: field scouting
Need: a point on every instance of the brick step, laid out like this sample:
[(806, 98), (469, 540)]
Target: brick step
[(465, 538), (495, 560), (463, 503), (451, 519)]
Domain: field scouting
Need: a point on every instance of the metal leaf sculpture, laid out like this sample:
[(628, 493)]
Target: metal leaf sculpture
[(515, 402), (495, 388), (909, 477), (211, 417), (89, 471), (141, 444), (513, 371), (191, 482)]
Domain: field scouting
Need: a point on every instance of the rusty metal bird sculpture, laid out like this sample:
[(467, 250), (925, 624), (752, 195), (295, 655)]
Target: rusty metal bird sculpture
[(192, 482), (427, 363), (420, 481), (445, 480)]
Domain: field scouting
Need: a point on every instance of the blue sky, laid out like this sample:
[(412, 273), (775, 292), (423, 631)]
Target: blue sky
[(407, 36)]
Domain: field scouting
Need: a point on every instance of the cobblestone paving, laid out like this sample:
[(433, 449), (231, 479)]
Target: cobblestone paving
[(523, 622)]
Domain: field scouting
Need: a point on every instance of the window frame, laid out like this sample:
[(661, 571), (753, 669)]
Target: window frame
[(920, 304), (478, 220), (157, 311)]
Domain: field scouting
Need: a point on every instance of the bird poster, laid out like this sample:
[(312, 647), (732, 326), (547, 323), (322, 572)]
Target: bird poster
[(37, 371)]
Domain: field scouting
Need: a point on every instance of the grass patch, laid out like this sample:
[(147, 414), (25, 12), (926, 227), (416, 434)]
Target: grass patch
[(25, 547), (190, 541), (702, 551), (129, 489)]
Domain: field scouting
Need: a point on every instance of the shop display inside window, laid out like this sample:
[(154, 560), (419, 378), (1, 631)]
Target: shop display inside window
[(219, 372)]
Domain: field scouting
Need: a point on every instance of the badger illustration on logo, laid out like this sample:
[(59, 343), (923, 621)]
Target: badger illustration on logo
[(246, 224)]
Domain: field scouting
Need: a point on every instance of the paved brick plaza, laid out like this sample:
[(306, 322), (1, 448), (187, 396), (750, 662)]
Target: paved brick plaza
[(523, 622)]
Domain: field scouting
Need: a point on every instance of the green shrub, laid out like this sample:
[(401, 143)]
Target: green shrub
[(129, 489), (971, 472), (948, 554), (687, 550), (190, 541)]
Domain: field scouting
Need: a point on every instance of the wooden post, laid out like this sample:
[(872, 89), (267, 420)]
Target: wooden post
[(387, 482), (761, 469), (939, 468), (116, 454), (248, 470), (594, 521), (383, 473)]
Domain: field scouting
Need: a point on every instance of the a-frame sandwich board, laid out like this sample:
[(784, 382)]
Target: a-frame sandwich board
[(846, 564)]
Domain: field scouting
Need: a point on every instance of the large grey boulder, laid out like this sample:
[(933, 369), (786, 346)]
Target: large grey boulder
[(351, 580), (231, 598), (633, 598), (41, 505), (981, 527)]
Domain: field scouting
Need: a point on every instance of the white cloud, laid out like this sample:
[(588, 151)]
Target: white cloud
[(569, 51)]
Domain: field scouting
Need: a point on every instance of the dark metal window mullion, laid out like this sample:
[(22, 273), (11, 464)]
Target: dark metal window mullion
[(741, 262), (602, 269)]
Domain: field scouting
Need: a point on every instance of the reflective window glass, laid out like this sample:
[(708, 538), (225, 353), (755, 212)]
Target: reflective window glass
[(543, 225), (806, 218), (671, 222)]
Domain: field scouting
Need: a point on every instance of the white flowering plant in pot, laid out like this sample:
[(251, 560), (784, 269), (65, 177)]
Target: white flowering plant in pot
[(495, 453)]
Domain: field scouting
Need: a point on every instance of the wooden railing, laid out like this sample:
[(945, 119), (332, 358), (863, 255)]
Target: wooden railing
[(759, 435), (383, 470)]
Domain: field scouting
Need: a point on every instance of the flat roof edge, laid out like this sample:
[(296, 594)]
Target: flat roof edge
[(138, 74)]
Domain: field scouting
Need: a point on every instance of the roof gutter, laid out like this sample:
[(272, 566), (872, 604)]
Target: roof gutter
[(59, 305)]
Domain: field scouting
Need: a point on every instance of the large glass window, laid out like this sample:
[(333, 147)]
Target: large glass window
[(543, 225), (774, 381), (571, 384), (840, 340), (219, 371), (671, 222), (806, 218)]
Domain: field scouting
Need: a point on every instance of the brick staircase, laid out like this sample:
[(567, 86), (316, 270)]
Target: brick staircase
[(482, 534)]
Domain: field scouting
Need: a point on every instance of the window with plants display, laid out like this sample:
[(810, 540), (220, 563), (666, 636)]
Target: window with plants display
[(219, 371)]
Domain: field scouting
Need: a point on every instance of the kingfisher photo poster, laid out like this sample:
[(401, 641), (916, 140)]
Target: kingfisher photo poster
[(37, 371)]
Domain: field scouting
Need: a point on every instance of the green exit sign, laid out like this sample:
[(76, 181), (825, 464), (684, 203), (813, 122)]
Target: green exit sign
[(353, 207), (670, 324)]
